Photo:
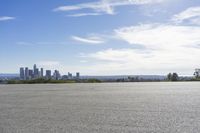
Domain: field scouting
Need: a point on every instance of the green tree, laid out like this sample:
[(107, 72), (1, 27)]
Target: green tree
[(169, 77), (172, 77)]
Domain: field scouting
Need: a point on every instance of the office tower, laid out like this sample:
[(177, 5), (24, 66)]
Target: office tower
[(56, 75), (26, 73), (41, 72), (69, 75), (64, 77), (34, 67), (48, 74), (22, 73), (35, 71), (77, 75), (31, 76)]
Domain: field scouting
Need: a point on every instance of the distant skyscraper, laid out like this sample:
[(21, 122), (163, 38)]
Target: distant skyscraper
[(56, 75), (77, 75), (31, 74), (35, 71), (48, 74), (69, 75), (41, 72), (26, 73), (34, 67), (22, 75), (64, 77)]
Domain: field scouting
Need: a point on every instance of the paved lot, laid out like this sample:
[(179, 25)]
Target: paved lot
[(100, 108)]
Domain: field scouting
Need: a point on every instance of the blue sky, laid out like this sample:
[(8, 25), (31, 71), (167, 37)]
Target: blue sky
[(101, 37)]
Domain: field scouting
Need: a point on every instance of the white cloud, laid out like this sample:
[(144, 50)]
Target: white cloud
[(195, 21), (24, 43), (88, 40), (129, 61), (191, 15), (105, 6), (84, 14), (160, 36), (168, 48), (120, 55), (101, 6), (6, 18)]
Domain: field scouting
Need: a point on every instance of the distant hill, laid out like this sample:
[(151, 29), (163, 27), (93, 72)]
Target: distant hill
[(146, 77), (8, 75)]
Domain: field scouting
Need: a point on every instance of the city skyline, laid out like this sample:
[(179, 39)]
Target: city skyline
[(25, 73), (101, 37)]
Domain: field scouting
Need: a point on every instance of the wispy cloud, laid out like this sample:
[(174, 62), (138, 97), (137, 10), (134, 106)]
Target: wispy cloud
[(101, 6), (24, 43), (117, 55), (167, 48), (88, 40), (84, 14), (47, 43), (105, 6), (6, 18), (192, 15), (160, 36)]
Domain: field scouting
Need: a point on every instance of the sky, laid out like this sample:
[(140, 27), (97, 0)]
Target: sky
[(101, 37)]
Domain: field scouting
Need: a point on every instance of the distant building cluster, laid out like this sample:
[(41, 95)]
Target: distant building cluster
[(35, 73)]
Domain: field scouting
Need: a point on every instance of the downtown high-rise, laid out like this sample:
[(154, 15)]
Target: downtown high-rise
[(36, 73), (28, 74)]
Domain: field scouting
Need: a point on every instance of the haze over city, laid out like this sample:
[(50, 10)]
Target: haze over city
[(101, 37)]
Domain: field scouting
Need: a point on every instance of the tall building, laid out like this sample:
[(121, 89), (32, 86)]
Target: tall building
[(22, 75), (56, 75), (35, 71), (34, 67), (31, 76), (70, 75), (41, 72), (48, 74), (64, 77), (77, 75), (26, 73)]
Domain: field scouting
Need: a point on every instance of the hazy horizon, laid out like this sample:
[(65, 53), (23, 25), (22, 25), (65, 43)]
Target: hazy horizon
[(101, 37)]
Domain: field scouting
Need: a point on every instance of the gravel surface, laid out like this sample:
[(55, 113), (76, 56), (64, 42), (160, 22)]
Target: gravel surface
[(100, 108)]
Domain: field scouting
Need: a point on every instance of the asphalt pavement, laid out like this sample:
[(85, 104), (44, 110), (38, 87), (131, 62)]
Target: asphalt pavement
[(101, 108)]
